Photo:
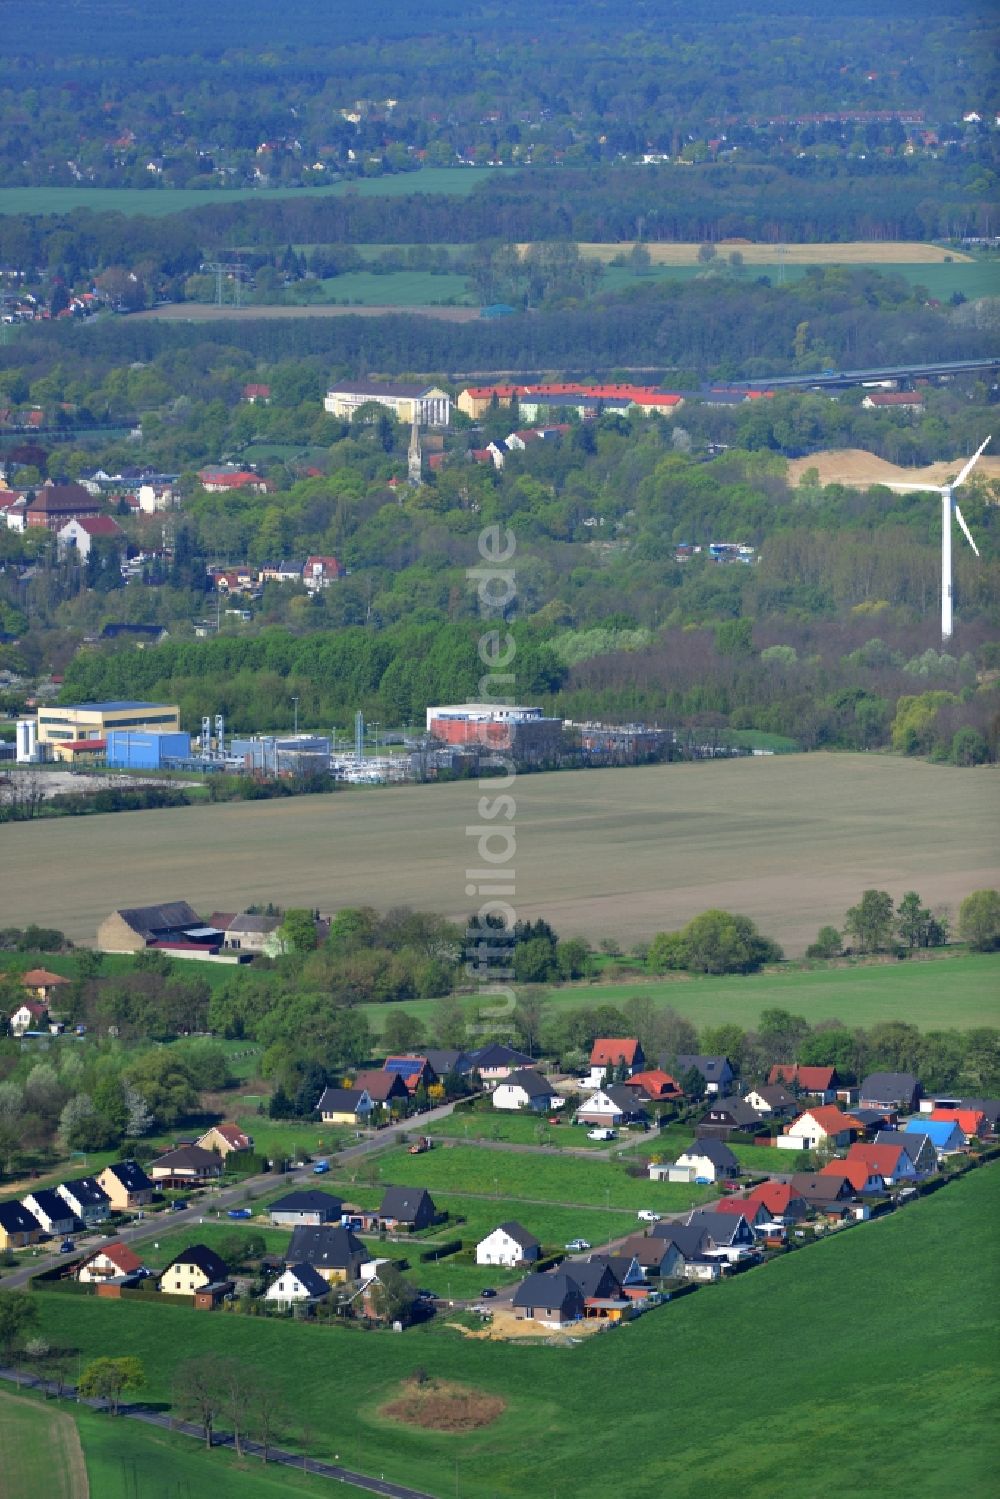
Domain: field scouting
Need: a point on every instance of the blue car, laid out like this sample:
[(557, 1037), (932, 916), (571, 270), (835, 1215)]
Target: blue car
[(240, 1213), (320, 1168)]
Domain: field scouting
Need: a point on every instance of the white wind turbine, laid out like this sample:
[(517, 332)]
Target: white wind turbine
[(948, 504)]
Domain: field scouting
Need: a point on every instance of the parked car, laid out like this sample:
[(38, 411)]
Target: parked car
[(179, 1205), (67, 1246), (731, 1187), (600, 1134), (578, 1244), (320, 1168), (240, 1213), (487, 1292), (646, 1215), (554, 1119), (702, 1181)]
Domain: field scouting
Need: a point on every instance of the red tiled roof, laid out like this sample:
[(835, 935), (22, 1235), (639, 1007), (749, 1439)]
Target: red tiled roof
[(610, 1050), (119, 1254), (969, 1121), (882, 1159), (655, 1082), (775, 1196), (35, 978), (830, 1119), (98, 525), (856, 1171), (812, 1079)]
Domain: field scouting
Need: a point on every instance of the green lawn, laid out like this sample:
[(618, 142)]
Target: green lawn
[(965, 992), (903, 1309), (515, 1129), (37, 1440), (511, 1177), (155, 203), (129, 1461)]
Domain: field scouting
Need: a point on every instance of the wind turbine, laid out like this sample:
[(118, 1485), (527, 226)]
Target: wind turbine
[(948, 504)]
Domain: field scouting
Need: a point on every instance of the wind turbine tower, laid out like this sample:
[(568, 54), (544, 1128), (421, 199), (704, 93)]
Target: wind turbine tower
[(949, 505)]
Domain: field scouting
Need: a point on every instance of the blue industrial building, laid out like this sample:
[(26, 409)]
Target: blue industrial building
[(135, 749)]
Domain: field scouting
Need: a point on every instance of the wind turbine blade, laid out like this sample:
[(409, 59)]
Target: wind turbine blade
[(971, 464), (965, 530)]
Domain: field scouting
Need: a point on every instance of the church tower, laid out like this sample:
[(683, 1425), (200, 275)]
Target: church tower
[(414, 462)]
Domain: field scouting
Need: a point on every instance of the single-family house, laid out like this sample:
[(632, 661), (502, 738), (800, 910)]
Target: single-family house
[(822, 1193), (188, 1166), (988, 1107), (249, 932), (320, 572), (526, 1089), (110, 1262), (43, 985), (297, 1284), (727, 1115), (18, 1226), (612, 1104), (333, 1251), (308, 1208), (225, 1139), (780, 1200), (509, 1244), (892, 1163), (728, 1234), (657, 1258), (822, 1125), (618, 1055), (345, 1106), (870, 1121), (718, 1072), (497, 1061), (772, 1100), (87, 1198), (603, 1296), (627, 1270), (820, 1082), (899, 1091), (82, 533), (385, 1089), (52, 1211), (862, 1178), (702, 1161), (690, 1243), (416, 1072), (30, 1015), (755, 1213), (939, 1136), (552, 1297), (654, 1085), (194, 1270), (445, 1059), (127, 1185), (407, 1207), (972, 1122)]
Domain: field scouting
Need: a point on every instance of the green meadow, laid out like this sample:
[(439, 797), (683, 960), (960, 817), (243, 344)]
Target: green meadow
[(156, 202), (866, 1363)]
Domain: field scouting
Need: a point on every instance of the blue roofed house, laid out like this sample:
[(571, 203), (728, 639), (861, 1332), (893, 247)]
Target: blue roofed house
[(947, 1137)]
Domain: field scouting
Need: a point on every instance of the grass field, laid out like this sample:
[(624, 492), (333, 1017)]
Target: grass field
[(155, 203), (791, 841), (513, 1129), (971, 278), (964, 993), (904, 1307), (37, 1440)]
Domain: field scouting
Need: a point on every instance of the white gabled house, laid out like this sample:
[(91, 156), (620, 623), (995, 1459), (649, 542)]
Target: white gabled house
[(703, 1161), (509, 1244), (526, 1089), (87, 1198), (297, 1283), (823, 1125)]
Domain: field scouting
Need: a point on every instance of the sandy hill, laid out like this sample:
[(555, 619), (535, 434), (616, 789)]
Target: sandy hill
[(855, 466)]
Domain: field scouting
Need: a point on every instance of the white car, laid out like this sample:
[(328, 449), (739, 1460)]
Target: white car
[(600, 1134), (646, 1215)]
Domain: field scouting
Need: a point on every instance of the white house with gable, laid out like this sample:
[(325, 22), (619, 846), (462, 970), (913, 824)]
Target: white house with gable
[(509, 1244)]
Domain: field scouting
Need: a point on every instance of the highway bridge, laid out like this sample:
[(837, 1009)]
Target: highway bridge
[(838, 378)]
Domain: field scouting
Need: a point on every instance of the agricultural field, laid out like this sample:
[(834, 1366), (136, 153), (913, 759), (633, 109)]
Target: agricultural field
[(39, 1439), (398, 289), (606, 852), (971, 278), (849, 252), (931, 1429), (155, 203)]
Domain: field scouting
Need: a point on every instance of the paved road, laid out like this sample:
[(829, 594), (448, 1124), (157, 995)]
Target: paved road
[(299, 1461), (236, 1196)]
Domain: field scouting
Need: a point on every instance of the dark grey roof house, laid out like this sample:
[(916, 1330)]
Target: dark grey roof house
[(889, 1090), (329, 1247), (306, 1207), (411, 1206)]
